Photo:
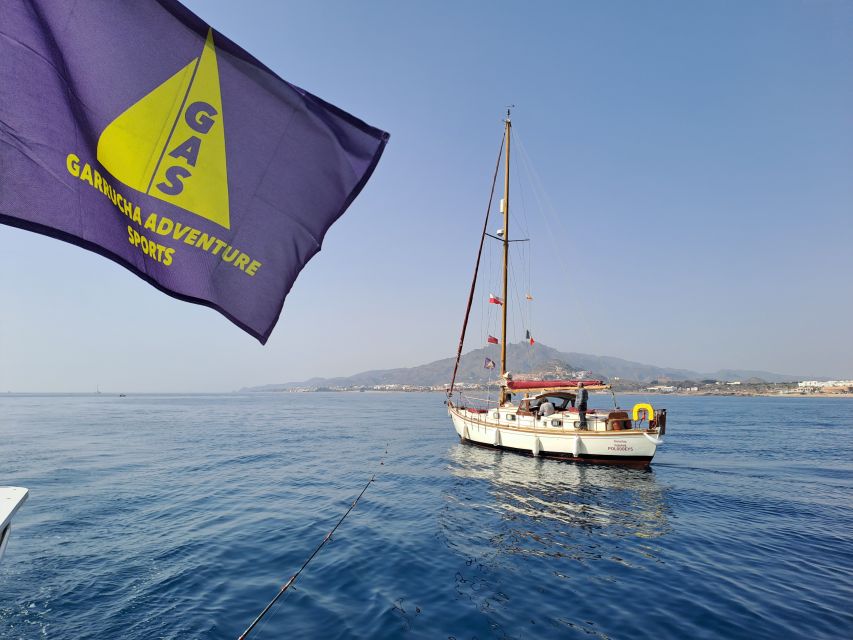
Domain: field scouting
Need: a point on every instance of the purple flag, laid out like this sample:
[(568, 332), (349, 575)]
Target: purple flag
[(489, 364), (134, 130)]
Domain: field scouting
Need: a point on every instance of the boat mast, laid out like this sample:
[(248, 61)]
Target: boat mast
[(505, 202)]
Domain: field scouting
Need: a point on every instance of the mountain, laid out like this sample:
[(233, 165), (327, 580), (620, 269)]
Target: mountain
[(524, 359)]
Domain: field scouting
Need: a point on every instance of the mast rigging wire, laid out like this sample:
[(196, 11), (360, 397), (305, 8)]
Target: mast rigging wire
[(549, 215), (476, 269)]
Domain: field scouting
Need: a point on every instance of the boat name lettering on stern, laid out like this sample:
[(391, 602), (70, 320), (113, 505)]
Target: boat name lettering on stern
[(620, 445)]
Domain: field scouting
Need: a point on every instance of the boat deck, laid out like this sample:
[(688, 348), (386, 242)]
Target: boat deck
[(599, 421)]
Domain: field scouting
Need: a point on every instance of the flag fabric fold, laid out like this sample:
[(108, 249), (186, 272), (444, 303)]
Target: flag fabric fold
[(136, 131)]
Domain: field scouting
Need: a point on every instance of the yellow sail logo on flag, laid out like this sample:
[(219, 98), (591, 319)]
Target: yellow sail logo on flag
[(171, 143)]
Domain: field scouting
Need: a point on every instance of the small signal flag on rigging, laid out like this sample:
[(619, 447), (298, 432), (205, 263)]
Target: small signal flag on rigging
[(493, 299), (528, 336), (489, 364), (492, 340)]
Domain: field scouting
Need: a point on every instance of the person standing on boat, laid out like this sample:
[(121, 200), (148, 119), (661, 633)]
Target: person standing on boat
[(581, 400)]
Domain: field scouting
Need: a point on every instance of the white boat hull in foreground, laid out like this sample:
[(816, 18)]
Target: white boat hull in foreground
[(558, 435), (11, 499)]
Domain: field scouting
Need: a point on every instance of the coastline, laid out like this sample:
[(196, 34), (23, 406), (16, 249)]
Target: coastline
[(738, 395)]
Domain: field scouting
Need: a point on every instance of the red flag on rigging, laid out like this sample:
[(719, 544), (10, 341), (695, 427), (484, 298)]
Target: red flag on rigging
[(492, 340), (493, 299)]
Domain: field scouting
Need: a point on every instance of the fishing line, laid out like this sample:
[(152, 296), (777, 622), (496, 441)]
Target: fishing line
[(322, 544)]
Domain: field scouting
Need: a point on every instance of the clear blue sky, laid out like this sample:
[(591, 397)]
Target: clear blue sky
[(698, 155)]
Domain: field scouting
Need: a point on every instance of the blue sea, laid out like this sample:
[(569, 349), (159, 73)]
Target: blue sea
[(180, 516)]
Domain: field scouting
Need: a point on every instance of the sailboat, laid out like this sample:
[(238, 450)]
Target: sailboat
[(539, 417)]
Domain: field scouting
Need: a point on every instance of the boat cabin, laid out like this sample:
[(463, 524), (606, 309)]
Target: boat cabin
[(556, 409), (559, 401)]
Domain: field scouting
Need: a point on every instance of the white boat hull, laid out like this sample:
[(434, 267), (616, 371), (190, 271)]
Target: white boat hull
[(11, 499), (536, 436)]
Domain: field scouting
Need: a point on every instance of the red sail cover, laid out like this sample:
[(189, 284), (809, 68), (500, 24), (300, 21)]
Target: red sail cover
[(519, 385)]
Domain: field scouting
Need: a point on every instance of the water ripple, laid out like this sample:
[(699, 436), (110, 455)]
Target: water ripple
[(180, 517)]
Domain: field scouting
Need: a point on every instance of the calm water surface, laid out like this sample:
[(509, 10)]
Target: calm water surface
[(181, 516)]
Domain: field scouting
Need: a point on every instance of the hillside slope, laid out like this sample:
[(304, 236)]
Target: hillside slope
[(523, 359)]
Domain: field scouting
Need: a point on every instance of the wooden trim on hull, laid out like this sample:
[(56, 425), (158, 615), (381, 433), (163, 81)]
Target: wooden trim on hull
[(622, 433), (625, 461)]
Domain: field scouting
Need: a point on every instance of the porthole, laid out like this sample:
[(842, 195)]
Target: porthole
[(510, 417), (496, 415), (556, 423)]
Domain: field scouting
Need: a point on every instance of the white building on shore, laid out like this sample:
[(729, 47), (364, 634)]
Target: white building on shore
[(818, 384)]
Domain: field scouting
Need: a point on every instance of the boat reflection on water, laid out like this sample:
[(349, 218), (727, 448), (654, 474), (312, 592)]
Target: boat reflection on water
[(550, 508), (522, 527)]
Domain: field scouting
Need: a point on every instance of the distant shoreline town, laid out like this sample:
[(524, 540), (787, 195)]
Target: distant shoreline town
[(812, 388), (541, 362)]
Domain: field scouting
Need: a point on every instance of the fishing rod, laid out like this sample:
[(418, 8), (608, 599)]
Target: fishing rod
[(293, 578)]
